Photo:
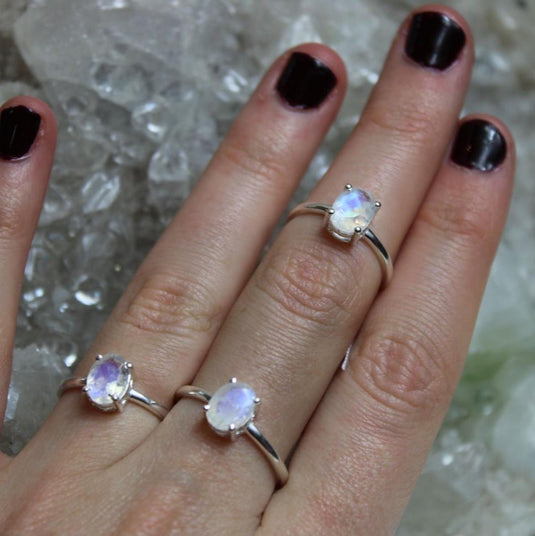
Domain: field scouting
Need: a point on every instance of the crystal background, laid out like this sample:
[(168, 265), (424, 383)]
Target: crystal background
[(144, 90)]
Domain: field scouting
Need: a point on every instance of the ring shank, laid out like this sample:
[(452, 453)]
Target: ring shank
[(148, 403), (278, 465), (70, 383), (265, 446), (382, 255)]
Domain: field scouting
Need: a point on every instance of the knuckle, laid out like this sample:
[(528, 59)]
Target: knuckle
[(408, 120), (310, 282), (38, 512), (331, 509), (259, 161), (404, 372), (13, 220), (164, 506), (461, 221), (172, 304)]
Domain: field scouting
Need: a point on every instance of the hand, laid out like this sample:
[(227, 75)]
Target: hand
[(199, 312)]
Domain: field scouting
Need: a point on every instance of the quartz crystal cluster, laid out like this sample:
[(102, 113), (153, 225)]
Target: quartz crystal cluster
[(144, 90)]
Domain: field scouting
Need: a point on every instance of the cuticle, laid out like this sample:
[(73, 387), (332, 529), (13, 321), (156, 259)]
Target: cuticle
[(434, 70), (304, 109), (19, 159), (476, 171)]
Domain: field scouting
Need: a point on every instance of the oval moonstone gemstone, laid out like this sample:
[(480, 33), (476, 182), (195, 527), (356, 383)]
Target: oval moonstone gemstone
[(108, 377), (232, 407), (353, 208)]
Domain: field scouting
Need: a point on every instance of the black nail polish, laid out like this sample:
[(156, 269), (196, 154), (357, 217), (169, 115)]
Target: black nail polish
[(479, 145), (305, 81), (18, 129), (434, 40)]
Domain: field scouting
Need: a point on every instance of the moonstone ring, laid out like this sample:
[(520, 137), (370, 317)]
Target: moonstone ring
[(348, 219), (230, 412), (109, 385)]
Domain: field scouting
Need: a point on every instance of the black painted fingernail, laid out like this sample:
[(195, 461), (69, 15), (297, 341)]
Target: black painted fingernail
[(305, 81), (479, 145), (18, 129), (434, 40)]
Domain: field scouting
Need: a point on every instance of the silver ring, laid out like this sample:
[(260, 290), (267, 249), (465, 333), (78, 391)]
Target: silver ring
[(348, 219), (230, 412), (109, 385)]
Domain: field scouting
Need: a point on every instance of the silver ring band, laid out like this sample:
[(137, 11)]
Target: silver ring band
[(359, 219), (109, 385), (226, 428)]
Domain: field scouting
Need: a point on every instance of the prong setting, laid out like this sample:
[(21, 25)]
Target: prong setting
[(119, 406)]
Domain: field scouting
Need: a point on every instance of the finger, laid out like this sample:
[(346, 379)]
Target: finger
[(359, 459), (296, 317), (169, 314), (27, 142)]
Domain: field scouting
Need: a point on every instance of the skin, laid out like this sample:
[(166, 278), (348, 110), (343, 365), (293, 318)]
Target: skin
[(197, 311)]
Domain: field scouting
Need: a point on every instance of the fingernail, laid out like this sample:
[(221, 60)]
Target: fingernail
[(18, 129), (305, 82), (479, 145), (434, 40)]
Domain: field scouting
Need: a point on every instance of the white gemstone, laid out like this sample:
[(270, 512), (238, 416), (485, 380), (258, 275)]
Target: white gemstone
[(108, 378), (232, 407), (353, 208)]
